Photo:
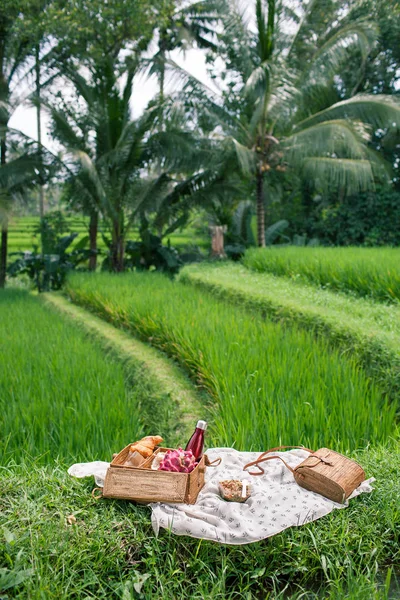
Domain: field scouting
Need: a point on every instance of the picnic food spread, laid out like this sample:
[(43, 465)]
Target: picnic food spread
[(144, 454), (146, 445), (324, 471), (189, 499), (178, 461), (146, 472), (234, 490)]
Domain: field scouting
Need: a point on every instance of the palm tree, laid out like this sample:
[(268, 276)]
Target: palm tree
[(130, 171), (14, 51), (282, 108), (91, 138), (181, 25), (24, 169)]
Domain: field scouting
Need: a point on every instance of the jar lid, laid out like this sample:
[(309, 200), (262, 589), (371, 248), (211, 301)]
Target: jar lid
[(201, 425)]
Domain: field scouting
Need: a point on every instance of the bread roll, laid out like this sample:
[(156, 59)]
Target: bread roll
[(146, 445)]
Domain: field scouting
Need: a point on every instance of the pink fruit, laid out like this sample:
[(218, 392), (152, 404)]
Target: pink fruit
[(179, 461)]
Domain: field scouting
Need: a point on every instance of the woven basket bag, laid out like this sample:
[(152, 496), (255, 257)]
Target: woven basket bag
[(325, 472)]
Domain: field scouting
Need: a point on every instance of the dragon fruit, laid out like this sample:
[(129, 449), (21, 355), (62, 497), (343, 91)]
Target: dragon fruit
[(179, 461)]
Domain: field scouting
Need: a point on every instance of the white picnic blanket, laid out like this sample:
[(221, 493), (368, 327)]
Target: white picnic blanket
[(276, 501)]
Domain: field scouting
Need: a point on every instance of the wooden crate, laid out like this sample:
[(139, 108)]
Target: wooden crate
[(143, 484)]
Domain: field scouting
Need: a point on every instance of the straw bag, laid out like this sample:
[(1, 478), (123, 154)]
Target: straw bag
[(325, 472)]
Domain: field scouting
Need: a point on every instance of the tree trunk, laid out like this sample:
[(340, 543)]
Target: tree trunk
[(3, 255), (39, 127), (4, 227), (162, 45), (217, 240), (93, 227), (117, 247), (260, 211)]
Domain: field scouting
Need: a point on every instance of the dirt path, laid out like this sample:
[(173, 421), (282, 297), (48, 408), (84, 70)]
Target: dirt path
[(161, 369)]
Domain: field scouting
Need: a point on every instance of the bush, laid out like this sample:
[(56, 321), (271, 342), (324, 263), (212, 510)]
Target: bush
[(48, 271), (368, 219)]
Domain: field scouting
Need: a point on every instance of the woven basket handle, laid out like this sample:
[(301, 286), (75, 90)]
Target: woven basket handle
[(97, 493), (263, 458)]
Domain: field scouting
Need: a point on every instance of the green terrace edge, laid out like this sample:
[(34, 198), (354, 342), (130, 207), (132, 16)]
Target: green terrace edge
[(185, 401), (360, 327)]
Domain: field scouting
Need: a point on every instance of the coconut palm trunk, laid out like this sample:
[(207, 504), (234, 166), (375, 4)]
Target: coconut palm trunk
[(260, 210), (163, 55), (39, 126), (4, 227), (93, 229), (3, 255), (117, 246)]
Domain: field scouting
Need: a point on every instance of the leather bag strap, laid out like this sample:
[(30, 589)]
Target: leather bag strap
[(213, 463), (263, 458)]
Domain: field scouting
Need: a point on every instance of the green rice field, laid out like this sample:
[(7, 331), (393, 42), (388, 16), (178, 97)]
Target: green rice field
[(360, 327), (273, 375), (22, 238), (368, 272), (271, 385), (60, 395)]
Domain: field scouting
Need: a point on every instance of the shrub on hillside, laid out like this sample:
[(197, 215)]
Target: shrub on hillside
[(368, 219)]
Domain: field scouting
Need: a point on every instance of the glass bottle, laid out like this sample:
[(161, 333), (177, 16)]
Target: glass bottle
[(196, 442)]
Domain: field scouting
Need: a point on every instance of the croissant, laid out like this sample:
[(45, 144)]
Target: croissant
[(146, 445)]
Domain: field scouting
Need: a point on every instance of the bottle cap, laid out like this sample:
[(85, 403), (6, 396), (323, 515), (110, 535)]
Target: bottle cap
[(201, 425)]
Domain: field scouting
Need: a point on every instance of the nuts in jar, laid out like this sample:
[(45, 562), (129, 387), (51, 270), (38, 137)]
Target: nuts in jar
[(234, 490)]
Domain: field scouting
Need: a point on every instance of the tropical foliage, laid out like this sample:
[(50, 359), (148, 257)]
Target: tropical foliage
[(130, 171), (289, 121), (282, 109), (14, 51)]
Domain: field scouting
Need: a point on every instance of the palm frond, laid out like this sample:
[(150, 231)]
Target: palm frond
[(20, 173), (82, 86), (265, 31), (331, 55), (284, 94), (377, 110), (63, 130), (275, 230), (174, 149), (270, 28), (261, 31), (91, 172), (4, 111), (302, 22), (258, 83), (239, 37), (128, 88), (241, 223), (182, 76), (147, 195), (198, 20), (246, 158), (337, 137), (349, 175)]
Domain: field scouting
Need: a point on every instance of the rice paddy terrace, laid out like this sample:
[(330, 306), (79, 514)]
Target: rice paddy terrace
[(22, 236), (267, 354)]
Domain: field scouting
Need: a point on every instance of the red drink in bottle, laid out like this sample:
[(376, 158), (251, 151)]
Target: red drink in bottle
[(196, 442)]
